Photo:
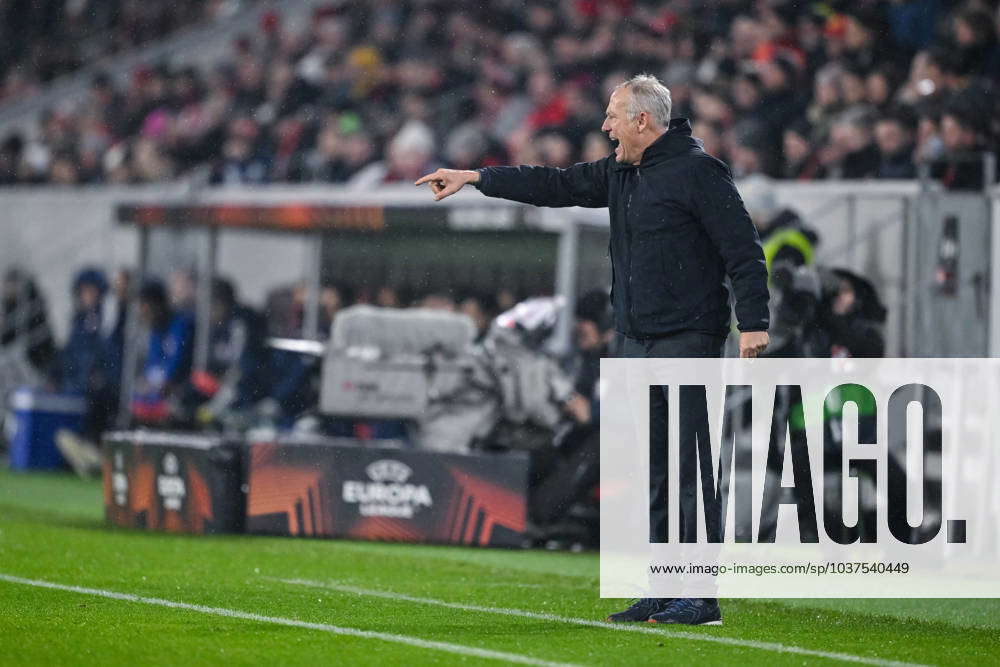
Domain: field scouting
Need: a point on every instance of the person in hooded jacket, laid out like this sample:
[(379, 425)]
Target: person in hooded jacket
[(89, 366), (679, 229), (80, 358), (236, 376)]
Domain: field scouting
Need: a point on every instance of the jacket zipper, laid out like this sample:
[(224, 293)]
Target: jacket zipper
[(628, 244)]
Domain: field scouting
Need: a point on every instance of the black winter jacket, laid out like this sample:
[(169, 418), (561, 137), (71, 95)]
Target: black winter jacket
[(678, 227)]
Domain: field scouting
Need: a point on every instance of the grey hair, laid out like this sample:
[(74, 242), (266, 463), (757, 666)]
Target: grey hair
[(648, 95)]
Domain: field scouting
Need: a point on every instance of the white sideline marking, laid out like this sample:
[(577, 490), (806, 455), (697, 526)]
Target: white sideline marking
[(295, 623), (621, 627)]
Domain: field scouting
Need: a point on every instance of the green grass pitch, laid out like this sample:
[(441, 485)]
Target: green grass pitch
[(243, 601)]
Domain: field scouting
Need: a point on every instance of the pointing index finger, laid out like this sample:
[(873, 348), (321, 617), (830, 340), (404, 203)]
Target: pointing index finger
[(424, 179)]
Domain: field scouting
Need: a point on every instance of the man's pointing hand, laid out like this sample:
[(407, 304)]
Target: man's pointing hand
[(445, 182)]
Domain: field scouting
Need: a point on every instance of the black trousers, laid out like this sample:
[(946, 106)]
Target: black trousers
[(686, 344)]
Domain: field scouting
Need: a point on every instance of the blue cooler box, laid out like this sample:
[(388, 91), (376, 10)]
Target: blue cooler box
[(37, 416)]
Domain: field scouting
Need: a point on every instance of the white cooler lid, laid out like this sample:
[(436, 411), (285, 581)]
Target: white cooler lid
[(25, 399)]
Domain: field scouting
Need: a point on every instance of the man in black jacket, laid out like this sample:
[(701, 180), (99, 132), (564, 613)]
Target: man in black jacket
[(678, 229)]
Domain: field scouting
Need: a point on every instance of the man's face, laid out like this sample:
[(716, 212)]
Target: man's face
[(796, 147), (848, 137), (891, 137), (88, 296), (621, 129), (955, 136)]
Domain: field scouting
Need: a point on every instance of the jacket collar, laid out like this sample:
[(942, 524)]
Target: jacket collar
[(675, 141)]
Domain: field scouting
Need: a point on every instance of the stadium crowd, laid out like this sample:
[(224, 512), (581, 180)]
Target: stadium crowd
[(41, 40), (375, 92)]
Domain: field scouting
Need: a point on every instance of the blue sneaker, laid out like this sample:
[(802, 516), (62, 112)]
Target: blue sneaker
[(640, 611), (690, 611)]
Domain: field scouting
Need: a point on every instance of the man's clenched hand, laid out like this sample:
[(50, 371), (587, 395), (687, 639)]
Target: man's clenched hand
[(752, 343), (445, 182)]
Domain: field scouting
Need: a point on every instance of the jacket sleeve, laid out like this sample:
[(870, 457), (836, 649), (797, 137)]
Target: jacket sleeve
[(583, 184), (720, 209)]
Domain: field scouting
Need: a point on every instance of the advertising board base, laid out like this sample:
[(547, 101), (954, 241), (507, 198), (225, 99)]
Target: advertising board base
[(339, 489), (172, 482)]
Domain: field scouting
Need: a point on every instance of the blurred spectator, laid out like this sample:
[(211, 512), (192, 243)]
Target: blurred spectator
[(88, 370), (480, 310), (827, 101), (149, 162), (342, 150), (711, 136), (930, 147), (802, 161), (751, 151), (506, 299), (387, 297), (292, 375), (864, 43), (926, 81), (244, 158), (852, 152), (438, 301), (554, 149), (63, 170), (779, 102), (879, 87), (116, 307), (466, 147), (285, 311), (182, 291), (168, 354), (331, 300), (894, 136), (962, 135), (236, 375), (24, 320), (81, 357), (974, 33), (809, 36), (409, 156), (853, 87), (711, 105)]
